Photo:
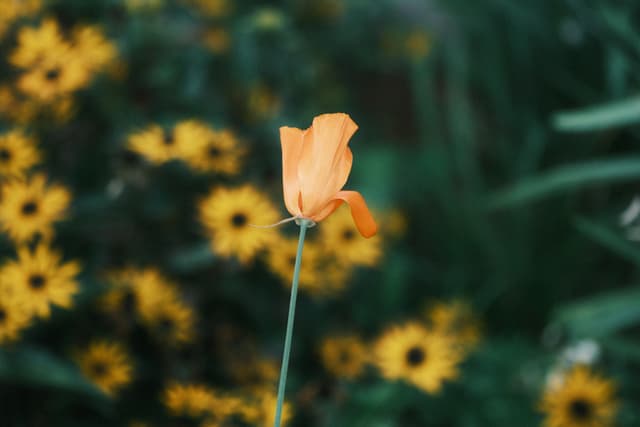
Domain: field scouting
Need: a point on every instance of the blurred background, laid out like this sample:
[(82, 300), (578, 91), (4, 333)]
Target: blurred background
[(139, 139)]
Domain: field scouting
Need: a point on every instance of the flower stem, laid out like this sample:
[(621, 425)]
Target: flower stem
[(304, 224)]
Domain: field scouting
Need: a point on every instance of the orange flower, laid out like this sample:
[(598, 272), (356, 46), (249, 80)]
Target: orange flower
[(315, 166)]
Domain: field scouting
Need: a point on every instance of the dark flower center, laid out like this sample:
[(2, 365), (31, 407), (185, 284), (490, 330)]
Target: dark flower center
[(214, 152), (5, 155), (239, 220), (128, 302), (348, 234), (99, 369), (166, 324), (29, 208), (581, 409), (36, 281), (344, 356), (292, 260), (168, 138), (415, 356), (3, 315), (52, 74)]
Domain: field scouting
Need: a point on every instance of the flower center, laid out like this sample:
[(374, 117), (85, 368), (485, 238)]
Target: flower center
[(29, 208), (52, 74), (5, 155), (345, 357), (581, 409), (3, 315), (214, 152), (292, 260), (128, 302), (348, 234), (166, 325), (239, 220), (36, 281), (168, 138), (99, 369), (415, 356)]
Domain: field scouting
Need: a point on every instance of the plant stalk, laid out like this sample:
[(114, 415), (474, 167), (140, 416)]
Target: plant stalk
[(304, 224)]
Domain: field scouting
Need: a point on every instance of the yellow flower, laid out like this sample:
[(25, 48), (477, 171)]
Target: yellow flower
[(107, 365), (55, 77), (143, 5), (193, 400), (171, 320), (344, 356), (457, 320), (395, 224), (39, 44), (15, 9), (413, 353), (213, 8), (42, 279), (31, 207), (228, 216), (217, 40), (18, 154), (260, 409), (154, 298), (94, 50), (340, 236), (282, 258), (215, 151), (14, 312), (262, 103), (252, 371), (418, 44), (581, 398), (22, 110), (160, 145)]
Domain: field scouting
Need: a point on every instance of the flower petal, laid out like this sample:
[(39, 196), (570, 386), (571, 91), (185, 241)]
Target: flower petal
[(291, 141), (362, 217), (325, 162)]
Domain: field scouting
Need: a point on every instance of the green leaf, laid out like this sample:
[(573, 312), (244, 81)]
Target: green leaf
[(600, 315), (614, 114), (565, 178), (608, 238), (35, 366)]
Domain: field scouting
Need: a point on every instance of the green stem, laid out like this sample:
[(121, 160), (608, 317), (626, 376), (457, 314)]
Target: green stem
[(304, 224)]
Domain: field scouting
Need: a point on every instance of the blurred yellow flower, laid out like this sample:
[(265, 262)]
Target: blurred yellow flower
[(14, 312), (344, 356), (340, 236), (15, 9), (216, 151), (282, 258), (418, 44), (457, 320), (228, 215), (417, 355), (217, 40), (581, 398), (193, 400), (30, 207), (42, 279), (262, 103), (160, 145), (55, 77), (92, 48), (107, 365), (143, 5), (253, 372), (39, 44), (395, 224), (172, 321), (260, 409), (18, 153), (213, 8)]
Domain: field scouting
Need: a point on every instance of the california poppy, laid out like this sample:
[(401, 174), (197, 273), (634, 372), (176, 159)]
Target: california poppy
[(315, 166)]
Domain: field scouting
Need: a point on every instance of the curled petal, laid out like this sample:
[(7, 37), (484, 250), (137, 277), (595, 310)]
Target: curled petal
[(360, 213)]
